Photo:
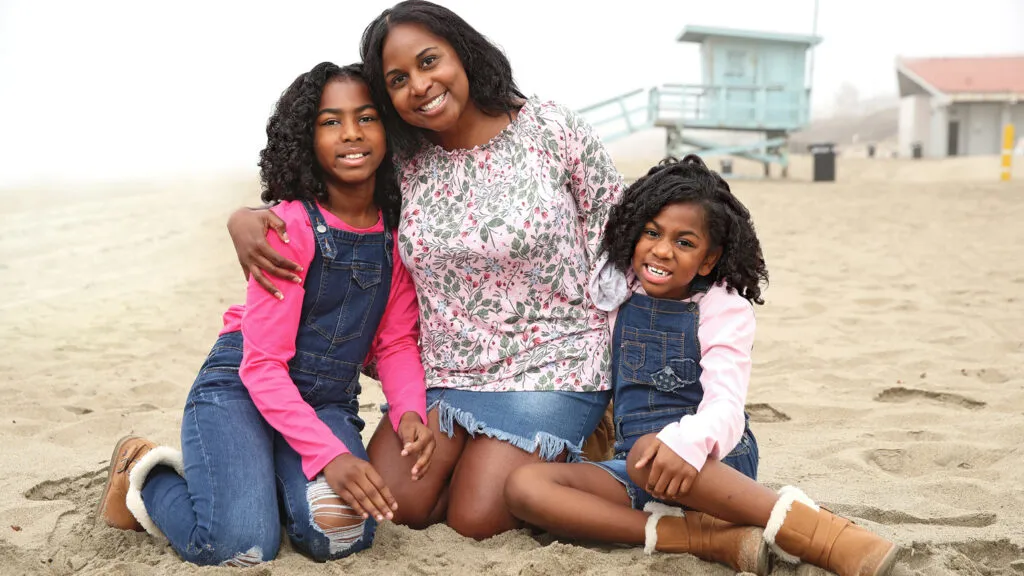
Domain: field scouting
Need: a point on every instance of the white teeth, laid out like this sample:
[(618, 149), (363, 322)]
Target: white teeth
[(657, 271), (433, 103), (354, 156)]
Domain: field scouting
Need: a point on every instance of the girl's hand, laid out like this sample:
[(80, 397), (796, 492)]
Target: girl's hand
[(671, 477), (248, 229), (357, 483), (416, 439)]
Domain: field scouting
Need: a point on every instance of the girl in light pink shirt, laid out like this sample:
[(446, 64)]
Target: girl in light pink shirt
[(271, 430), (683, 266)]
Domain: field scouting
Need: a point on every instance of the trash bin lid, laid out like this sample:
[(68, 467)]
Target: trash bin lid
[(822, 148)]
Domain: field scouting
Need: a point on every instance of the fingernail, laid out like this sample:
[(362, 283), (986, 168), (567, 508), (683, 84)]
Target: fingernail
[(299, 269), (279, 296), (284, 237), (394, 506), (390, 515), (379, 517)]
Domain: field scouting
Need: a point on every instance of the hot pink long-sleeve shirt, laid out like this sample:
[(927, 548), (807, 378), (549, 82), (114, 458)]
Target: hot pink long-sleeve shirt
[(269, 327)]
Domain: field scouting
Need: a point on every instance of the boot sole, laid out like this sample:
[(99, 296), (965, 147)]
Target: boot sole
[(101, 506)]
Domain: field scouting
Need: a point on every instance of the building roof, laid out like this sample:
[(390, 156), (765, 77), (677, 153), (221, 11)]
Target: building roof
[(700, 33), (966, 78)]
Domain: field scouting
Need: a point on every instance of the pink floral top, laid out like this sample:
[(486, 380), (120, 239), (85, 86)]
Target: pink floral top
[(500, 241)]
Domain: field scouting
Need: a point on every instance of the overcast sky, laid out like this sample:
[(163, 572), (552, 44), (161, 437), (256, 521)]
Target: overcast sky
[(122, 89)]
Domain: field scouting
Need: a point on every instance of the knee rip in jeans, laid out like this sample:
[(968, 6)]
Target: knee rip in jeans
[(250, 557), (329, 514)]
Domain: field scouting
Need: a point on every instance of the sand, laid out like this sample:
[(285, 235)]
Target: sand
[(888, 373)]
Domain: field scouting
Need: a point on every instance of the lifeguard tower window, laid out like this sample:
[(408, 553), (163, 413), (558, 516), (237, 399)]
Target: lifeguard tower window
[(736, 64)]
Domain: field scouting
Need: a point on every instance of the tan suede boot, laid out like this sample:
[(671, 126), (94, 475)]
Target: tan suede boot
[(113, 507), (742, 548), (599, 446), (799, 529)]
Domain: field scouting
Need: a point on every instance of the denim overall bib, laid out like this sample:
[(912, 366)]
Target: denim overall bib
[(241, 476), (656, 372)]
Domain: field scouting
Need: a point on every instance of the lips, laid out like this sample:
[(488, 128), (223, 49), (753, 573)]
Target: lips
[(353, 157), (655, 274), (434, 104)]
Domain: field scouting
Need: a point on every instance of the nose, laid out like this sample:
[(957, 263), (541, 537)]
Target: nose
[(662, 249), (351, 131), (420, 84)]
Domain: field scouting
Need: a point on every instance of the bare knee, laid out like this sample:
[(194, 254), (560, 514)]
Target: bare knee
[(338, 522), (524, 487), (639, 476)]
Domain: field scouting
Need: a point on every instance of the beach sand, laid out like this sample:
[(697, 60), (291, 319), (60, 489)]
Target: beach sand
[(888, 371)]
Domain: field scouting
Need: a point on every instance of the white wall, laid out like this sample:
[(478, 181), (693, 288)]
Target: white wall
[(983, 128), (914, 123), (937, 145)]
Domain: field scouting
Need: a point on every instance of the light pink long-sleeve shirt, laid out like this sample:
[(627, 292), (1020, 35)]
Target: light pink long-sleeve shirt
[(726, 335), (269, 327)]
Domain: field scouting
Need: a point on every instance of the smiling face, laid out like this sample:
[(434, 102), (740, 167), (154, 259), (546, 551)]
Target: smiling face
[(425, 78), (348, 137), (673, 249)]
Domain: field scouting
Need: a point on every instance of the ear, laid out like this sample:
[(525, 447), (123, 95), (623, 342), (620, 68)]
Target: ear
[(710, 261)]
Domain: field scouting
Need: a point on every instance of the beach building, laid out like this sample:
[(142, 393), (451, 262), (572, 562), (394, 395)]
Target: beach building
[(959, 106)]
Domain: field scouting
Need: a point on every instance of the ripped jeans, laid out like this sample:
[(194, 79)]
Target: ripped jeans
[(242, 480)]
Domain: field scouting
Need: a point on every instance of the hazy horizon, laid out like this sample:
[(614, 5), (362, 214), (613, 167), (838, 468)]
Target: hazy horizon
[(130, 90)]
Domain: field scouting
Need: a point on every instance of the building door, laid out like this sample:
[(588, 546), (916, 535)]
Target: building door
[(953, 134)]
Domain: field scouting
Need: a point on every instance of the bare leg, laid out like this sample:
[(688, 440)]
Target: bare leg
[(476, 505), (718, 490), (421, 502), (577, 501)]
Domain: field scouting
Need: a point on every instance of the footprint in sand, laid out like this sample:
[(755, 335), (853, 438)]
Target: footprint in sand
[(81, 489), (78, 410), (766, 413), (925, 458), (974, 557), (985, 375), (901, 394), (895, 517)]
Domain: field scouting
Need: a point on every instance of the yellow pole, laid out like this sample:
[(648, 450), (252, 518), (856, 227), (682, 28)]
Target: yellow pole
[(1007, 152)]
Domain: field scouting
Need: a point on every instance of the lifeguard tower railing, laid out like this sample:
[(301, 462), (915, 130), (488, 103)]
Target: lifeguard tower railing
[(772, 110)]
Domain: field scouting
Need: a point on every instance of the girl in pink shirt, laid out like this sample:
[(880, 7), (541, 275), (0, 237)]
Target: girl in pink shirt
[(683, 265), (272, 421)]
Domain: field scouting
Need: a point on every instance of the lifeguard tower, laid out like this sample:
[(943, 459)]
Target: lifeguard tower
[(752, 82)]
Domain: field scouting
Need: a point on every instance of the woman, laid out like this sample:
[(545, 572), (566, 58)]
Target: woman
[(504, 201)]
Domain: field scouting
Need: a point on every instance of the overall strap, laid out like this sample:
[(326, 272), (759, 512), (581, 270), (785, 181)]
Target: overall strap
[(320, 230)]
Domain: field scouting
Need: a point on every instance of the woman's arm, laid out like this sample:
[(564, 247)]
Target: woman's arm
[(249, 228)]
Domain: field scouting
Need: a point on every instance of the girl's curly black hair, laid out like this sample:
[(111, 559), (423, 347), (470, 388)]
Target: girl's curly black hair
[(491, 85), (288, 166), (689, 180)]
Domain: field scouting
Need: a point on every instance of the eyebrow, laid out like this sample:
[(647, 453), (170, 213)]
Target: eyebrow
[(419, 55), (339, 110), (680, 235)]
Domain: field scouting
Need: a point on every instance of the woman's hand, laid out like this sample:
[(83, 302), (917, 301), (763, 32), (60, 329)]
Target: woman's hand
[(248, 229), (671, 477), (417, 439), (359, 485)]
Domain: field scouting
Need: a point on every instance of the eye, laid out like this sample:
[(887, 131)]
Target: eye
[(330, 122), (428, 61), (397, 79), (650, 233), (685, 243), (367, 119)]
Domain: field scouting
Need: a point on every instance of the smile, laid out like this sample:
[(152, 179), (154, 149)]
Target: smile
[(657, 272), (355, 156), (435, 103)]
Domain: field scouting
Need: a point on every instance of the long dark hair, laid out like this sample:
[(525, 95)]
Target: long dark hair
[(288, 166), (491, 84)]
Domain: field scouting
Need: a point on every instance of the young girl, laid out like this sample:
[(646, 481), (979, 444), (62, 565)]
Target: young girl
[(504, 201), (684, 262), (272, 419)]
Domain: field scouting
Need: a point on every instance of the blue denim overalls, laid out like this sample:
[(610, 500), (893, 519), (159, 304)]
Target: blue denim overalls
[(656, 374), (240, 474)]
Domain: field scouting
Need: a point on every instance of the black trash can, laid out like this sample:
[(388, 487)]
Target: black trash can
[(916, 150), (824, 161), (726, 166), (871, 150)]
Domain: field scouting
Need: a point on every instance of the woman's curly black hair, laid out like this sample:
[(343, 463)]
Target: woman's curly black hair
[(689, 180), (288, 166), (491, 85)]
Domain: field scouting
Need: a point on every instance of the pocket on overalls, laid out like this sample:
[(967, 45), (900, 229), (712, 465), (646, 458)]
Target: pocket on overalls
[(341, 310), (656, 359), (225, 356)]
